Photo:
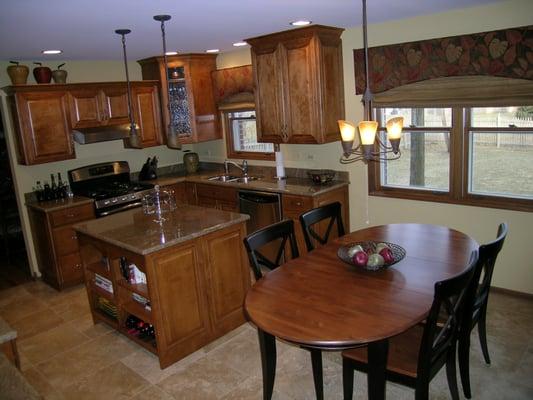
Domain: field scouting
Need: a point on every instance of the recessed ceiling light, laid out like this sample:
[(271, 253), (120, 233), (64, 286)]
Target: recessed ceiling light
[(301, 22), (239, 44), (52, 51), (171, 53), (212, 51)]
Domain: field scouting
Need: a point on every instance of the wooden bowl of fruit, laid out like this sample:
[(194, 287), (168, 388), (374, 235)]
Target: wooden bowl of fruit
[(371, 255)]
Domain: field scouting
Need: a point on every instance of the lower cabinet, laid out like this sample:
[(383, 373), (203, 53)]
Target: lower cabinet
[(194, 291), (214, 196), (56, 243)]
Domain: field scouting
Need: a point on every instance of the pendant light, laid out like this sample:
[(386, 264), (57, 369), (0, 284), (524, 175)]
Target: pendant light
[(172, 135), (134, 135), (371, 147)]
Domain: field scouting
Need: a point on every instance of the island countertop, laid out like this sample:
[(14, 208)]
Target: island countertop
[(141, 234)]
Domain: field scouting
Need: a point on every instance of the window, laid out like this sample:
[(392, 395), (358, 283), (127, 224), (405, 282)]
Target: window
[(478, 156), (241, 137)]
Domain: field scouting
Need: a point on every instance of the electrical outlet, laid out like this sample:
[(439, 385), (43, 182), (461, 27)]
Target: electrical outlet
[(310, 156)]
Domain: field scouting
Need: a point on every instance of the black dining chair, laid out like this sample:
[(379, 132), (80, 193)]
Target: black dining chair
[(279, 234), (476, 312), (330, 213), (416, 355)]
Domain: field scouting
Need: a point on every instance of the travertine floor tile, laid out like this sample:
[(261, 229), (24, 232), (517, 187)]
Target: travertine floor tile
[(115, 382), (35, 323), (18, 309), (205, 379), (15, 293), (50, 343), (153, 393), (41, 384), (86, 359), (85, 325)]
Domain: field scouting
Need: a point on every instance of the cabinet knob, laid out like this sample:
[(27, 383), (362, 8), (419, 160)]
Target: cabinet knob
[(71, 215), (298, 203), (74, 237), (78, 266)]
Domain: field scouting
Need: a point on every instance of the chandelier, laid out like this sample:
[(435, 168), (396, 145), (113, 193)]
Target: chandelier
[(370, 147)]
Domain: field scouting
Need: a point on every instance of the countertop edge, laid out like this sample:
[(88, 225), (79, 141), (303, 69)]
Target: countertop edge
[(55, 205), (79, 228)]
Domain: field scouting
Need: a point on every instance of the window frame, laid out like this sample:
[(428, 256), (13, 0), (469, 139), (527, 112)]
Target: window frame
[(230, 145), (459, 168)]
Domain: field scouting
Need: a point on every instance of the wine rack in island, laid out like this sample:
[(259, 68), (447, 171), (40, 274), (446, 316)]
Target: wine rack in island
[(171, 302)]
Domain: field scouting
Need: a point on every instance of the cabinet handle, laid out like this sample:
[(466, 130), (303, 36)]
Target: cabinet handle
[(77, 266), (71, 215)]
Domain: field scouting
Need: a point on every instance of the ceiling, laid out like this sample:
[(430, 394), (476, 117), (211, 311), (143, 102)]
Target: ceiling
[(84, 30)]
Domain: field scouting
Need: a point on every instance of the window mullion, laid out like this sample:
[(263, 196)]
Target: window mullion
[(457, 163)]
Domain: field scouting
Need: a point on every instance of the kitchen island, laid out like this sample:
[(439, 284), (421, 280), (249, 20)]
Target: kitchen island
[(172, 286)]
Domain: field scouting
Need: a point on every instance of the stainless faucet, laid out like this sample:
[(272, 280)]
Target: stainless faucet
[(243, 167)]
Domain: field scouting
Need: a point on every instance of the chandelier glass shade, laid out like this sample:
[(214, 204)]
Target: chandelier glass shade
[(371, 147)]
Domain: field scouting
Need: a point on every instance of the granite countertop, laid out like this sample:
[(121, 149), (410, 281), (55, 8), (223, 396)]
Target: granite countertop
[(139, 233), (296, 186), (54, 205)]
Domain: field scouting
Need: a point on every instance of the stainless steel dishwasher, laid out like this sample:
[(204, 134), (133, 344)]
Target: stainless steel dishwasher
[(263, 208)]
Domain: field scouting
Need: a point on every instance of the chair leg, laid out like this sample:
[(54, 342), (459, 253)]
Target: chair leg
[(482, 330), (316, 361), (464, 363), (347, 379), (451, 373), (267, 344)]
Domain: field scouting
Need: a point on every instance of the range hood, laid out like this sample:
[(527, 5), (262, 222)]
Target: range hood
[(101, 134)]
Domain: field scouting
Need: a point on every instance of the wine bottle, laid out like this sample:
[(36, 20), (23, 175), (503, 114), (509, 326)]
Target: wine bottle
[(53, 187), (60, 187)]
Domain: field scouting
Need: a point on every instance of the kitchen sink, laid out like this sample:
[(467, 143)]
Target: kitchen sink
[(232, 178), (223, 178)]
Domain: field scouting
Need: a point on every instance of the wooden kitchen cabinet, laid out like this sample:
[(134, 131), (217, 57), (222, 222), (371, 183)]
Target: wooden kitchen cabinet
[(41, 119), (193, 109), (56, 243), (195, 290), (294, 205), (299, 89), (215, 196), (147, 112)]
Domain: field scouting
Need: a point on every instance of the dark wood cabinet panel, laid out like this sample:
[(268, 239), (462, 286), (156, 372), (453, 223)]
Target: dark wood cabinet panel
[(194, 86), (148, 115), (86, 108), (115, 100), (43, 127), (56, 243), (299, 85)]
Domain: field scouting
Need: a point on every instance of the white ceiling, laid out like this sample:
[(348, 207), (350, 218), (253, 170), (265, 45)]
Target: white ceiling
[(84, 30)]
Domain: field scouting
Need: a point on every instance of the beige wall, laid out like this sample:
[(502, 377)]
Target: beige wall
[(515, 266), (26, 176)]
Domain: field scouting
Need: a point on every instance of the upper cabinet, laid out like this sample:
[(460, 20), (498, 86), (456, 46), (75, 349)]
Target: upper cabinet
[(41, 119), (192, 105), (45, 115), (299, 93)]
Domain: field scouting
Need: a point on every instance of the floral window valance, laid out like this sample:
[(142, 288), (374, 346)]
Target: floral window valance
[(504, 53)]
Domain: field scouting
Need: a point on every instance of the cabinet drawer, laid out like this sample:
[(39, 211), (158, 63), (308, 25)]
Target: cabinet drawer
[(295, 204), (72, 214), (65, 240), (71, 268), (216, 192)]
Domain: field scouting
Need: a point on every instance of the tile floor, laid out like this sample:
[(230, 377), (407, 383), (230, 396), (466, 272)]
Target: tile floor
[(65, 356)]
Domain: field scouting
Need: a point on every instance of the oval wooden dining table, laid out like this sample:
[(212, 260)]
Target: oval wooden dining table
[(318, 301)]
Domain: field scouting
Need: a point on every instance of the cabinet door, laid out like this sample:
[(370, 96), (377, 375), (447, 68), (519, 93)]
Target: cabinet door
[(302, 109), (228, 276), (148, 115), (43, 122), (115, 105), (177, 280), (268, 96), (85, 108)]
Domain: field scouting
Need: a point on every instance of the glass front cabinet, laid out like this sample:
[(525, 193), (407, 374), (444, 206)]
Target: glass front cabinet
[(192, 109)]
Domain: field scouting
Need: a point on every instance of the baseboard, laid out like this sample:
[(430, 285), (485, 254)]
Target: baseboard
[(515, 293)]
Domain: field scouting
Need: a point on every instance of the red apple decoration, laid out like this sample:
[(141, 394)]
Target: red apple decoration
[(387, 255), (360, 259)]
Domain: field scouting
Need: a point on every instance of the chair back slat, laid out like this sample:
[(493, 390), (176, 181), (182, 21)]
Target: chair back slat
[(278, 235), (330, 212), (444, 319)]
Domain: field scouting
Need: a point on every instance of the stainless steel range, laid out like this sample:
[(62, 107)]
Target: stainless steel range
[(109, 185)]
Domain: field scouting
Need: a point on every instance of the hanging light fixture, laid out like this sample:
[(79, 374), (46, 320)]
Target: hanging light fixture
[(134, 135), (172, 134), (371, 147)]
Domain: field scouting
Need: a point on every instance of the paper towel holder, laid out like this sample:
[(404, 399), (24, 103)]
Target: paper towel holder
[(277, 152)]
